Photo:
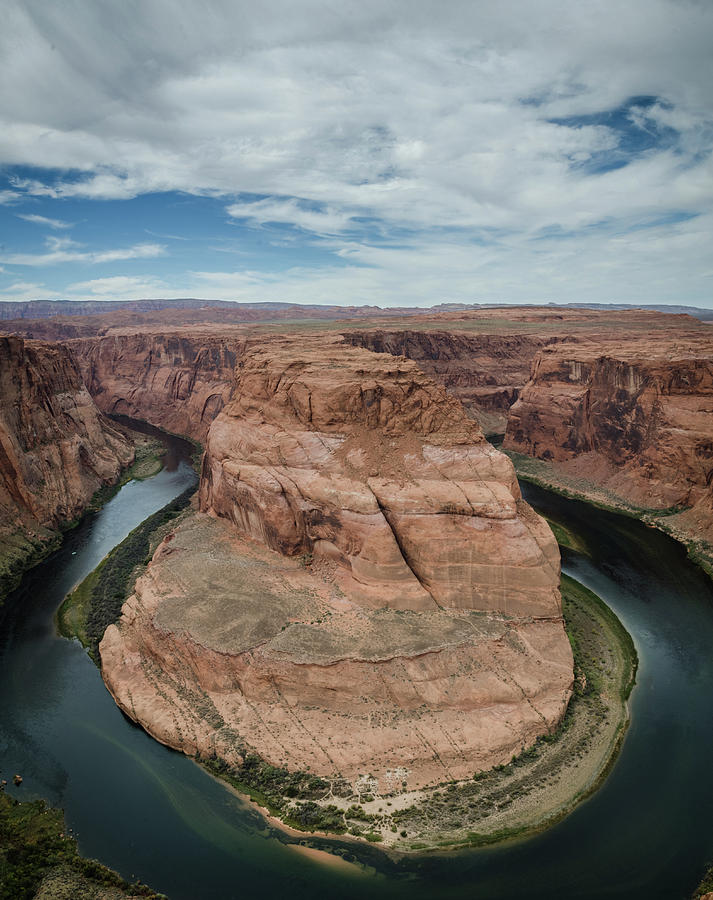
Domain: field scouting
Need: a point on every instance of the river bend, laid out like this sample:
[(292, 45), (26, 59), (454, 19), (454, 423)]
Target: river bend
[(151, 813)]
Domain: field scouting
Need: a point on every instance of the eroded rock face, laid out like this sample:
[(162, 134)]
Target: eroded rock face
[(484, 371), (56, 448), (363, 591), (175, 381), (362, 461), (637, 417)]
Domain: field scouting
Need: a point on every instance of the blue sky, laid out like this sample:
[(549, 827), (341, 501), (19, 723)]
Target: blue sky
[(387, 153)]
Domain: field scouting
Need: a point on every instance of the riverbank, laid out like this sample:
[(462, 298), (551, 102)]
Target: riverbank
[(22, 550), (533, 791), (96, 602), (549, 476), (40, 861)]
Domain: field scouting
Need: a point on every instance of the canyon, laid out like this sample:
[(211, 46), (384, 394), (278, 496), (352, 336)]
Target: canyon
[(56, 450), (412, 595), (632, 419), (178, 381)]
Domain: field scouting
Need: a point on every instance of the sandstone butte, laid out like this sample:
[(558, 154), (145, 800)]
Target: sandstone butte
[(56, 449), (635, 417), (363, 591)]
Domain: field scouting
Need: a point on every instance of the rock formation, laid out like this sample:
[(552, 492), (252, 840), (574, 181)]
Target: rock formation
[(635, 418), (484, 371), (56, 448), (636, 415), (176, 381), (364, 590)]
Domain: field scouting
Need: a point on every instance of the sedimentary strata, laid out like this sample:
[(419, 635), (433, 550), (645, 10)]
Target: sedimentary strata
[(363, 592), (634, 417), (56, 448), (484, 371), (176, 381)]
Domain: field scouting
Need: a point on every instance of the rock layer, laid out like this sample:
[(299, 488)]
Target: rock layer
[(364, 591), (176, 381), (636, 415), (56, 448), (484, 371)]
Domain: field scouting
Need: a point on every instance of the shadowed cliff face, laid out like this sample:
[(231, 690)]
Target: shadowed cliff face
[(636, 416), (363, 591), (56, 448), (483, 371), (178, 382)]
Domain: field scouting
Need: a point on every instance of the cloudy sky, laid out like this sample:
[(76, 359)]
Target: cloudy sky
[(346, 152)]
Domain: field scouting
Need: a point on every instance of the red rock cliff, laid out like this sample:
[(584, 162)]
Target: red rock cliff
[(484, 371), (638, 415), (176, 381), (56, 448)]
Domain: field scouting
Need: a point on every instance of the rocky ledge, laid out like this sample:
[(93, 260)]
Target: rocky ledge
[(363, 592)]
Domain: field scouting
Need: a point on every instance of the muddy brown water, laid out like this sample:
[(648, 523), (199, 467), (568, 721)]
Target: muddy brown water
[(151, 813)]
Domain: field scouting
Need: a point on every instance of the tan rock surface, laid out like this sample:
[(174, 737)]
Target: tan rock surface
[(484, 371), (636, 416), (362, 461), (423, 629)]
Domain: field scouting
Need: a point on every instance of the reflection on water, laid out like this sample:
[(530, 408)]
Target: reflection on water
[(151, 813)]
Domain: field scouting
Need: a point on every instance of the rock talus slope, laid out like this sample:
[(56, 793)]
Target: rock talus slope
[(56, 448), (364, 590)]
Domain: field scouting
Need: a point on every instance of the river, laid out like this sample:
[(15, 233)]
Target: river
[(151, 813)]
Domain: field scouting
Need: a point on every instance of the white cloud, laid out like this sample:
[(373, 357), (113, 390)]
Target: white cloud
[(26, 290), (64, 250), (416, 116), (120, 287), (7, 198), (44, 220), (292, 212)]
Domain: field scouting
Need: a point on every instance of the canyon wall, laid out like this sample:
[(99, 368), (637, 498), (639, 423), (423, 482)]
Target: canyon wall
[(363, 591), (176, 381), (640, 411), (484, 371), (56, 448), (635, 417)]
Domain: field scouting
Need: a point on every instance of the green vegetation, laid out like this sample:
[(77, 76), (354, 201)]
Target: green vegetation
[(535, 789), (706, 885), (35, 850), (292, 796), (543, 474), (148, 461), (565, 537), (476, 813), (20, 552), (97, 601)]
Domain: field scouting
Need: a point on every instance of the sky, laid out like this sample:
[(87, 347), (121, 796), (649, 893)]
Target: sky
[(388, 153)]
